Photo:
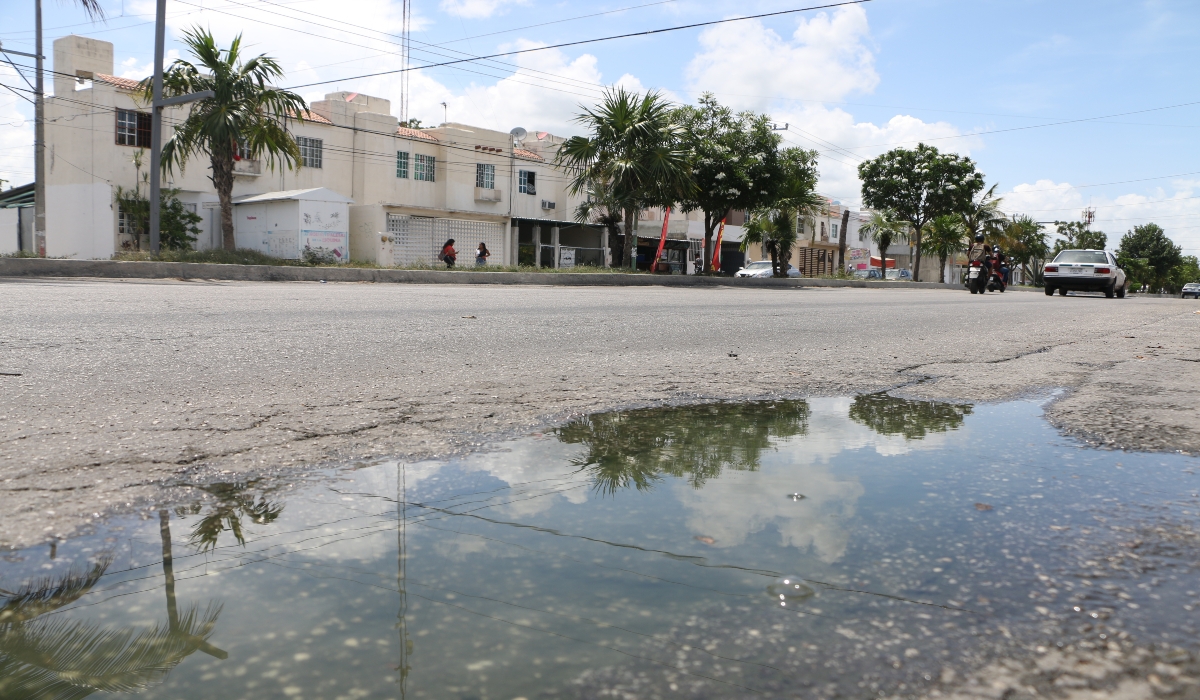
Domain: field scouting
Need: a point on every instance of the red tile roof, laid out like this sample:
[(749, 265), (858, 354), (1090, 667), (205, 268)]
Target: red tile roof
[(528, 155), (311, 117), (119, 83), (415, 134)]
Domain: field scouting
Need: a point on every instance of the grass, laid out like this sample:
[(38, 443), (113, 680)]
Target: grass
[(19, 254), (243, 256)]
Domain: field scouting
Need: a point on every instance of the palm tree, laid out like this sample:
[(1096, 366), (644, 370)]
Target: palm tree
[(883, 228), (602, 208), (984, 215), (776, 232), (944, 236), (233, 503), (633, 145), (246, 114)]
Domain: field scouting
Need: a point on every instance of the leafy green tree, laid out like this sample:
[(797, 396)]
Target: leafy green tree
[(735, 162), (983, 215), (1188, 270), (945, 236), (1076, 235), (1150, 243), (246, 113), (1027, 245), (639, 448), (177, 224), (776, 227), (889, 415), (884, 228), (919, 185), (635, 147)]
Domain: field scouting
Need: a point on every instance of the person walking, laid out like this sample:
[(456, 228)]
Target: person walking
[(482, 254), (449, 254)]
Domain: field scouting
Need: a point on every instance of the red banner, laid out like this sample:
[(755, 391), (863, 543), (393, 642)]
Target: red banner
[(662, 242), (716, 256)]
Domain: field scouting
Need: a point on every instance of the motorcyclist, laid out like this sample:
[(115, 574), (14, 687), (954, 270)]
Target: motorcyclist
[(1002, 264)]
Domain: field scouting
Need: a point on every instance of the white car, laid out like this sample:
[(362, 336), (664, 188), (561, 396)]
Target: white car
[(762, 268), (1085, 271), (1191, 289)]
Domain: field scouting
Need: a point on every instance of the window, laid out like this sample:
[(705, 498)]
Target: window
[(527, 182), (402, 164), (485, 176), (133, 128), (833, 233), (424, 168), (125, 223), (243, 151), (310, 151)]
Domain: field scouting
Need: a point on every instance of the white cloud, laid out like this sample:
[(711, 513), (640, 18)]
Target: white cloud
[(478, 9), (826, 58), (1176, 208)]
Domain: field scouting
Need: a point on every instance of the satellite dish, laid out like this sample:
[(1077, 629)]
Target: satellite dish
[(519, 134)]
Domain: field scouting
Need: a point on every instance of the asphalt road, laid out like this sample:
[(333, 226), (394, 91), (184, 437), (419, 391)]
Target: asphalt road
[(115, 394)]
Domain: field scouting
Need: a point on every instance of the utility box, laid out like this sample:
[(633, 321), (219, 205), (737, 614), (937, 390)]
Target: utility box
[(311, 224)]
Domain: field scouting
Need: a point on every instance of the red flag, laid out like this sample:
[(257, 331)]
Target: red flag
[(662, 242), (716, 256)]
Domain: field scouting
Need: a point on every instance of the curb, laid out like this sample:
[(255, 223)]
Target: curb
[(121, 269)]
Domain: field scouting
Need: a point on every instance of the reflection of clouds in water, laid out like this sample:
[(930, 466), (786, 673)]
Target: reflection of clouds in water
[(738, 504), (545, 462)]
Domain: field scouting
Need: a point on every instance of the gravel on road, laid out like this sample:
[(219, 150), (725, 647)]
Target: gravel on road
[(117, 392)]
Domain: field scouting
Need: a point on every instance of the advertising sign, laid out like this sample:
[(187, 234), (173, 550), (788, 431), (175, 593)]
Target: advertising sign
[(324, 233)]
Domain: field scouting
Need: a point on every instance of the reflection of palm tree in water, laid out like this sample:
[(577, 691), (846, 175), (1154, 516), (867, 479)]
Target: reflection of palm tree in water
[(234, 503), (64, 659), (888, 415), (637, 448)]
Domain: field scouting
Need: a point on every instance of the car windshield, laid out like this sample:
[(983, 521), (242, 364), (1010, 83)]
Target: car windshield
[(1081, 256)]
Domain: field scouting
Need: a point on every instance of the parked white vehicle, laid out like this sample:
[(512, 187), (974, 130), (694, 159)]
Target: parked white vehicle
[(1191, 289), (1085, 271), (762, 268)]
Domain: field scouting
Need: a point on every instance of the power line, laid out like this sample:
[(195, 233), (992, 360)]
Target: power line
[(592, 41)]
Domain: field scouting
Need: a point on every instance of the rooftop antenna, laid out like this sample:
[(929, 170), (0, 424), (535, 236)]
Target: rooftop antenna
[(776, 127), (518, 135), (1088, 216), (405, 46)]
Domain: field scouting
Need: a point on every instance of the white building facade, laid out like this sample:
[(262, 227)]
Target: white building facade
[(408, 189)]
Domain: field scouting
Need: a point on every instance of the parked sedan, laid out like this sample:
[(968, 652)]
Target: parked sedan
[(1191, 289), (901, 275), (1085, 271), (762, 268)]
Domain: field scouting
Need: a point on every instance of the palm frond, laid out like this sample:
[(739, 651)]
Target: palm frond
[(50, 593)]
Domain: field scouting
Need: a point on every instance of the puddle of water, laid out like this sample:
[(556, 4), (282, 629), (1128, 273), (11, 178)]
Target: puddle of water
[(836, 546)]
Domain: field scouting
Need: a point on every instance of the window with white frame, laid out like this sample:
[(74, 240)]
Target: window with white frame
[(527, 182), (402, 164), (485, 176), (424, 168), (833, 232), (310, 151), (133, 128)]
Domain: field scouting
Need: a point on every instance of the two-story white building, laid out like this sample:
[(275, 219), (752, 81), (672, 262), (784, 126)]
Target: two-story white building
[(408, 190)]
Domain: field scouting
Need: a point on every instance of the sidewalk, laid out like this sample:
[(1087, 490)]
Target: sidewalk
[(119, 269)]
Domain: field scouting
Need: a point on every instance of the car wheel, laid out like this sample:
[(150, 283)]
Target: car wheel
[(1062, 291), (1121, 291), (1110, 292), (1049, 291)]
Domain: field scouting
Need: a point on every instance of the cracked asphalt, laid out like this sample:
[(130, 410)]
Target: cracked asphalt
[(116, 394)]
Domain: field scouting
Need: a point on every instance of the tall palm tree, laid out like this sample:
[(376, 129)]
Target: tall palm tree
[(633, 145), (776, 232), (602, 208), (944, 236), (883, 228), (246, 114)]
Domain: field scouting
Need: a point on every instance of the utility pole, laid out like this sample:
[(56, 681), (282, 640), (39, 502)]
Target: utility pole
[(39, 142), (160, 31)]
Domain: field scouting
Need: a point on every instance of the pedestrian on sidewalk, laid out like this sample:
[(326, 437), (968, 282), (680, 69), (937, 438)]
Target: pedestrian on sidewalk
[(482, 254), (449, 254)]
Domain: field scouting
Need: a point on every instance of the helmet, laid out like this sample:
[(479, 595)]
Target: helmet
[(979, 238)]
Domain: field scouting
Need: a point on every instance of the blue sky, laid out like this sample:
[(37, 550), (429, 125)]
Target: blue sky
[(984, 77)]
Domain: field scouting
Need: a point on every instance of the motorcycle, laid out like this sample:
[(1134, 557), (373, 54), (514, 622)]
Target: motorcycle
[(978, 273)]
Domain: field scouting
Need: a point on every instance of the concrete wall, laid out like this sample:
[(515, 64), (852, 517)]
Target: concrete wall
[(10, 233), (83, 219)]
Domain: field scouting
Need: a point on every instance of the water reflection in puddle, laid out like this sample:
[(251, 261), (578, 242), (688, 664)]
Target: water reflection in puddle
[(829, 547)]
